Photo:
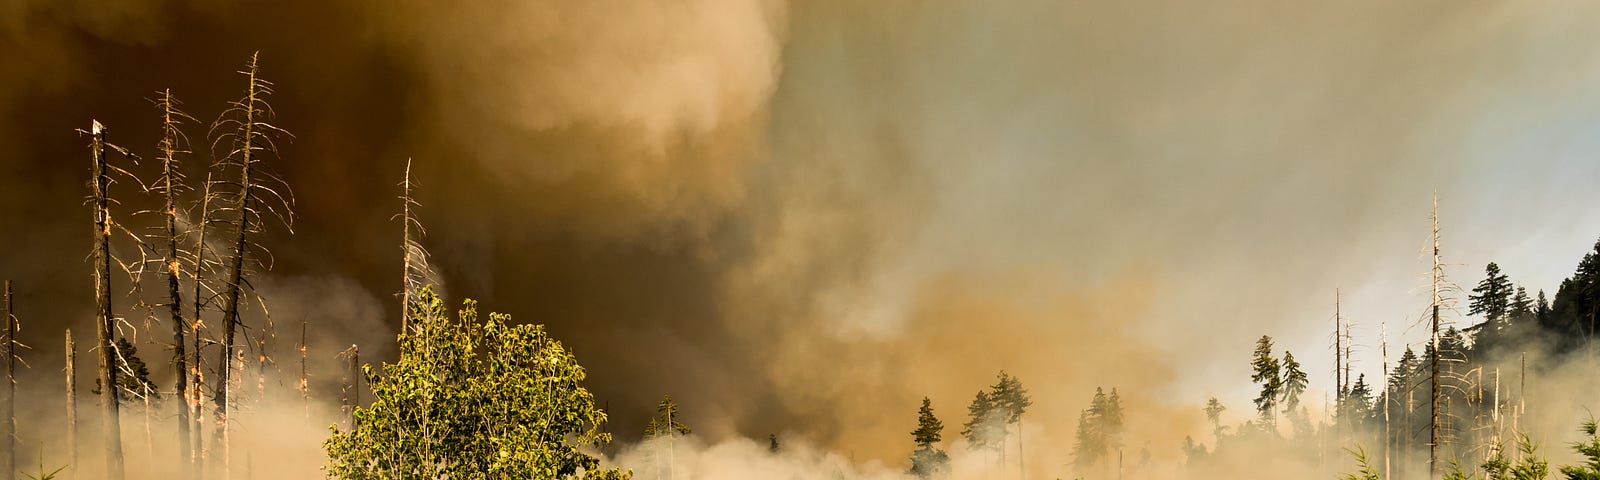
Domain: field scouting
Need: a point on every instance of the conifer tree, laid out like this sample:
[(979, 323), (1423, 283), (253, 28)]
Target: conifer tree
[(1492, 296), (928, 460), (1214, 409), (1267, 375), (1294, 382), (666, 421), (984, 427)]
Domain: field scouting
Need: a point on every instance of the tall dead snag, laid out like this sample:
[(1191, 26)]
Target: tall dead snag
[(72, 402), (103, 318), (351, 396), (244, 128), (1434, 468), (305, 386), (169, 186), (8, 401), (414, 259)]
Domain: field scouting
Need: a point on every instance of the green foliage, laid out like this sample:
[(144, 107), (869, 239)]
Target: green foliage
[(133, 376), (1364, 464), (1214, 409), (472, 400), (1589, 448), (985, 427), (1294, 382), (928, 461), (1267, 375), (41, 474), (1492, 296), (666, 420), (1010, 397), (1099, 430), (929, 427)]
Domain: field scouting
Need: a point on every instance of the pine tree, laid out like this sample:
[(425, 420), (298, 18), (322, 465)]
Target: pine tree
[(666, 421), (1294, 382), (1214, 409), (984, 429), (1492, 296), (928, 461), (1267, 375)]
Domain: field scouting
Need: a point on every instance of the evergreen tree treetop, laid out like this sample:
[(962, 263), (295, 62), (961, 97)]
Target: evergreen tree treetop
[(1492, 296), (929, 428), (1294, 382), (666, 420)]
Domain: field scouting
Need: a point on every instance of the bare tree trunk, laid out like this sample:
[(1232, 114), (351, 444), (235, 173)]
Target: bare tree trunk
[(1433, 434), (196, 402), (8, 402), (305, 386), (103, 324), (72, 404), (352, 392), (197, 453), (169, 148), (235, 273), (1338, 372), (1388, 441)]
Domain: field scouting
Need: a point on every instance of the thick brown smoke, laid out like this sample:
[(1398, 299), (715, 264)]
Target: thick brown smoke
[(801, 218)]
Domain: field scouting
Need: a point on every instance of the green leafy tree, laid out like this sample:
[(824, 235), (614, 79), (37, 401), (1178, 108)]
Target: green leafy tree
[(1267, 375), (472, 400), (928, 461)]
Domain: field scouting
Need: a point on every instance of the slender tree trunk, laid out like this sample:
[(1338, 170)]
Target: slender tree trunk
[(169, 148), (1338, 372), (103, 324), (353, 386), (197, 402), (72, 404), (235, 273), (305, 386), (8, 409), (197, 452), (1433, 434)]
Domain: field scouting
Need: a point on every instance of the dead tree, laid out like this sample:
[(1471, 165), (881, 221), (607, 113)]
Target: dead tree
[(1434, 467), (104, 320), (305, 386), (8, 402), (351, 396), (170, 185), (414, 259), (72, 401), (249, 136)]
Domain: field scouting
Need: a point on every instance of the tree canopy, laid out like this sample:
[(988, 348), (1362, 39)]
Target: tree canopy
[(471, 399)]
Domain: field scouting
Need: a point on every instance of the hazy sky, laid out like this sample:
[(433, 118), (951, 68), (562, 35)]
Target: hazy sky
[(804, 217)]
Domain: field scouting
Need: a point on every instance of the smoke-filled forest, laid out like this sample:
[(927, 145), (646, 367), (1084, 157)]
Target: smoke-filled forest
[(734, 239)]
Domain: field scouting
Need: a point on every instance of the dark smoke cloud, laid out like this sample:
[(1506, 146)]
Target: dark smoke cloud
[(802, 218)]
